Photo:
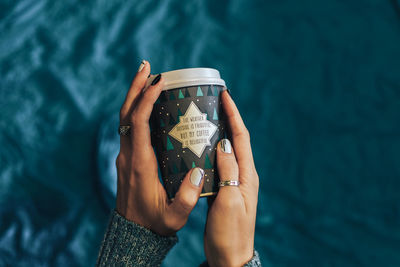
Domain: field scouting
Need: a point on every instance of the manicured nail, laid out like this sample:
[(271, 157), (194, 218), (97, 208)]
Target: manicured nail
[(156, 79), (196, 176), (226, 146), (142, 65)]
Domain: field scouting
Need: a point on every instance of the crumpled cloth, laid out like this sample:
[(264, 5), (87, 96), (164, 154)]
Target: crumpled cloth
[(316, 82)]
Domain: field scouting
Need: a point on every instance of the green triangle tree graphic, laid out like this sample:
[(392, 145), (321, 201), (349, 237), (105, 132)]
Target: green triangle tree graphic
[(180, 96), (171, 95), (199, 91), (209, 93), (215, 115), (184, 168), (179, 114), (169, 144), (187, 92), (171, 120), (162, 124), (193, 165), (216, 91), (207, 163)]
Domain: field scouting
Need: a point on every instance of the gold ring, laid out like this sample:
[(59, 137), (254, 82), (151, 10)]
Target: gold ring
[(124, 130), (228, 183)]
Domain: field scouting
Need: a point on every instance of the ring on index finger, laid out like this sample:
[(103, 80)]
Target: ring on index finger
[(124, 130)]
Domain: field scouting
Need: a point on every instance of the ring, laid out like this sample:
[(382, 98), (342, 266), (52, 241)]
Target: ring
[(124, 130), (228, 183)]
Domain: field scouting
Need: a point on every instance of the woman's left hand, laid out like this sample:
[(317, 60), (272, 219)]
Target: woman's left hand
[(141, 198), (230, 228)]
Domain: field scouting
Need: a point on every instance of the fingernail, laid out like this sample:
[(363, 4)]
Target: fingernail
[(156, 79), (196, 176), (226, 146), (142, 65)]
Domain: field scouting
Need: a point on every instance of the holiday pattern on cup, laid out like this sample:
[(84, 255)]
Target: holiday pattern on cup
[(174, 158)]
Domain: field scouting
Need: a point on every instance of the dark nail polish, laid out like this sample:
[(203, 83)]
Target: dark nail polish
[(156, 79), (149, 76)]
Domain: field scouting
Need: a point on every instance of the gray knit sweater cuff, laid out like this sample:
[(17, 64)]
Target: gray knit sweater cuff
[(253, 262), (126, 243)]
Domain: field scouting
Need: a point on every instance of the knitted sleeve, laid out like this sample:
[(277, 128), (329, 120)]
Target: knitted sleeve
[(254, 262), (126, 243)]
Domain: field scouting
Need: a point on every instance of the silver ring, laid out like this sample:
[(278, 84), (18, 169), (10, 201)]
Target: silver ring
[(124, 130), (228, 183)]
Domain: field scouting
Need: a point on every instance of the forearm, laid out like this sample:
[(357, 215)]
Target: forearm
[(130, 244)]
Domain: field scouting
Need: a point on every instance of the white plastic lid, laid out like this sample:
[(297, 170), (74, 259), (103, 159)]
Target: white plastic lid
[(190, 77)]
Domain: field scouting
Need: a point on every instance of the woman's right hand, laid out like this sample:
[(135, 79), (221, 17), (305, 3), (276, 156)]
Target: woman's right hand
[(141, 198), (229, 233)]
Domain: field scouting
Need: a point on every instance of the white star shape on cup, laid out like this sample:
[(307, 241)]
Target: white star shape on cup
[(194, 131)]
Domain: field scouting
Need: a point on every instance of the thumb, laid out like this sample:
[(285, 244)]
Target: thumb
[(187, 196)]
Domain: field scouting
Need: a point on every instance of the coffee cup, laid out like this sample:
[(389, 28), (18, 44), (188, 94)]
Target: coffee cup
[(186, 124)]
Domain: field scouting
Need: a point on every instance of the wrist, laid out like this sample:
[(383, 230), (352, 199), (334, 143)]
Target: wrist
[(230, 259)]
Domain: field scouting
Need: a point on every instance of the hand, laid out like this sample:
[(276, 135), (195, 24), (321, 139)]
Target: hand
[(141, 198), (229, 233)]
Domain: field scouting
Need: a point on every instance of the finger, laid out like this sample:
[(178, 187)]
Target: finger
[(136, 86), (240, 137), (226, 161), (186, 198), (141, 114), (227, 166), (150, 79), (229, 198)]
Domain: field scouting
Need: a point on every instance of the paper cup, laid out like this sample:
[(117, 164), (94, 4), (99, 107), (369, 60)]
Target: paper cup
[(186, 124)]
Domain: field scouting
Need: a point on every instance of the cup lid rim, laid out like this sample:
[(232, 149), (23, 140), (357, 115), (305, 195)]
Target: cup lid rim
[(191, 77)]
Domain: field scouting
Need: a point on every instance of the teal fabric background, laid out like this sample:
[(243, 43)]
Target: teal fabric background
[(317, 83)]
